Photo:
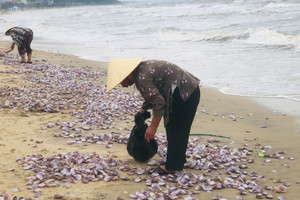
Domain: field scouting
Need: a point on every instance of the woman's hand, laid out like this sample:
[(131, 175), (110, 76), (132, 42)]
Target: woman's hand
[(150, 132), (9, 49)]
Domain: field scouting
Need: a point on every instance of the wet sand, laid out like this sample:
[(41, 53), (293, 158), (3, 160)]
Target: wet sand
[(237, 117)]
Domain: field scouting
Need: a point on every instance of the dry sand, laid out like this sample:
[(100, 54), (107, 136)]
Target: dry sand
[(20, 131)]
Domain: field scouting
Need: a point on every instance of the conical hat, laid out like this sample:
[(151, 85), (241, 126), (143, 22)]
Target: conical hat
[(8, 29), (119, 69)]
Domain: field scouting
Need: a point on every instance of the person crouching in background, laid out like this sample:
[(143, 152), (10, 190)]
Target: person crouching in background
[(22, 37)]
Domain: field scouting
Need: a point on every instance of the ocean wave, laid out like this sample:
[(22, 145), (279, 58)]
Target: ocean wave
[(170, 34), (274, 38), (282, 5)]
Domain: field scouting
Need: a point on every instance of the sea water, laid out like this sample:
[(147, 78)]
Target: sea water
[(249, 48)]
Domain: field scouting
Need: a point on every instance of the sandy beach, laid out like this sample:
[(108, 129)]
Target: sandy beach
[(249, 125)]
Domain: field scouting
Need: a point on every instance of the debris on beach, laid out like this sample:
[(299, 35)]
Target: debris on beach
[(232, 117), (59, 89), (51, 88), (6, 196), (262, 126), (58, 196), (220, 167)]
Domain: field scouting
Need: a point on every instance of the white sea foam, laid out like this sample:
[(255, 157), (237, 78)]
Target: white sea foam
[(172, 34), (282, 5), (271, 37)]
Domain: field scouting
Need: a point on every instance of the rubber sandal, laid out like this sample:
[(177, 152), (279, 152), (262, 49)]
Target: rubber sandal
[(162, 163), (159, 170), (29, 62)]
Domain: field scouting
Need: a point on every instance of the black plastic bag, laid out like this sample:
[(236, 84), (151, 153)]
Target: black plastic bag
[(137, 145)]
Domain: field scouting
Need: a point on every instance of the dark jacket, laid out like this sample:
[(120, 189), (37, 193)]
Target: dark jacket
[(156, 80), (19, 34)]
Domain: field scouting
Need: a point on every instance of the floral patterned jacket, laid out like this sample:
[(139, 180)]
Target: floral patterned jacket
[(156, 80)]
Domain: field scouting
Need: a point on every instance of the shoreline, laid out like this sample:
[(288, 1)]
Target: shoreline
[(284, 105), (238, 117), (277, 104)]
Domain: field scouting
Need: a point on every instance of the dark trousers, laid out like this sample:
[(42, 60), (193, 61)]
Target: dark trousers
[(178, 128), (25, 46)]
